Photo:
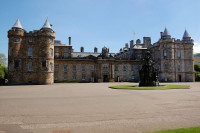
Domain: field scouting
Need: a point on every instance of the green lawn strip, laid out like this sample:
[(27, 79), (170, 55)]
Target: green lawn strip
[(65, 83), (136, 87), (181, 130)]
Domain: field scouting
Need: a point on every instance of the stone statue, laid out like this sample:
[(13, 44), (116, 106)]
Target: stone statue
[(148, 74)]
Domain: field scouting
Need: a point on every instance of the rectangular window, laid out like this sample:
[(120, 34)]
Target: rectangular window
[(16, 64), (65, 78), (83, 77), (56, 67), (65, 68), (92, 68), (74, 68), (51, 52), (132, 68), (83, 68), (165, 53), (179, 67), (56, 55), (65, 55), (116, 67), (30, 40), (124, 68), (74, 77), (65, 49), (178, 53), (43, 63), (133, 77), (17, 40), (51, 67), (30, 67), (30, 52)]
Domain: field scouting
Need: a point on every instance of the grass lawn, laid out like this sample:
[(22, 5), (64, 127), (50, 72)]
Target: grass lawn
[(65, 83), (136, 87), (181, 130)]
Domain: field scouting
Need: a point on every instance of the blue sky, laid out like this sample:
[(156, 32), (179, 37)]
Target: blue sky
[(99, 23)]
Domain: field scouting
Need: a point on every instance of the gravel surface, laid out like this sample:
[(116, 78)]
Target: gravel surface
[(95, 108)]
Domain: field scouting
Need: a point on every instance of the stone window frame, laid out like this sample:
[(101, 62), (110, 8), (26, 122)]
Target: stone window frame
[(56, 67), (179, 67), (65, 78), (65, 55), (74, 77), (51, 52), (65, 68), (133, 77), (65, 49), (30, 40), (16, 64), (51, 66), (83, 77), (30, 52), (178, 54), (132, 68), (83, 68), (17, 39), (116, 68), (74, 68), (124, 68), (57, 55), (164, 53), (30, 66), (92, 68)]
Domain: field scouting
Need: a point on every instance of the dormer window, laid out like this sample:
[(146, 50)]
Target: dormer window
[(17, 40)]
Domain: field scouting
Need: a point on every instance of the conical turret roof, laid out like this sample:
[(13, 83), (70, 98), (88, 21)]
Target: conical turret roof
[(17, 24), (166, 32), (186, 34), (46, 24)]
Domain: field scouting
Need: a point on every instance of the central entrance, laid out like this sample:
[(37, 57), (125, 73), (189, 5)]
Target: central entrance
[(105, 78), (179, 78)]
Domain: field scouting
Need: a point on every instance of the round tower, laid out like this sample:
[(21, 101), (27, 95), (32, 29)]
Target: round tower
[(45, 40), (15, 48)]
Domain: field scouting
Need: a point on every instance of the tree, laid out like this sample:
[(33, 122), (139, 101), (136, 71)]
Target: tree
[(197, 71), (3, 60)]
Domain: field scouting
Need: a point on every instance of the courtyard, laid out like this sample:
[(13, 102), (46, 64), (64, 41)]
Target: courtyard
[(96, 108)]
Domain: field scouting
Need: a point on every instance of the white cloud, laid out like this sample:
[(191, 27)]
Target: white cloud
[(196, 47)]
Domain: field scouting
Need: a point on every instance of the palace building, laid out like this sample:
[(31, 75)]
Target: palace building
[(36, 58)]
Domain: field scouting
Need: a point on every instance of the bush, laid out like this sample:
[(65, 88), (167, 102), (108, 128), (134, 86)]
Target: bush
[(3, 74), (197, 76), (197, 67)]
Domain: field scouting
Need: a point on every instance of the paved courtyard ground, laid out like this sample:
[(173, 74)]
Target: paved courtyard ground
[(95, 108)]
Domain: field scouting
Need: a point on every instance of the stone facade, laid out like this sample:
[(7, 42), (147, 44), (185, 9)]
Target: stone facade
[(36, 58)]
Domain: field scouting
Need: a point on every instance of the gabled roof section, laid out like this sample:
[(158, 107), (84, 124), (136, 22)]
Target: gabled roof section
[(17, 24), (166, 32), (186, 34), (46, 25)]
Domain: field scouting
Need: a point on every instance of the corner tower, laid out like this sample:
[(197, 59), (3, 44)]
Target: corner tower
[(31, 55), (15, 48), (46, 38)]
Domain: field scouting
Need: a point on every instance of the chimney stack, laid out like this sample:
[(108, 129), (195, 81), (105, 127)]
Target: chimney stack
[(69, 40), (131, 44), (95, 50), (82, 49)]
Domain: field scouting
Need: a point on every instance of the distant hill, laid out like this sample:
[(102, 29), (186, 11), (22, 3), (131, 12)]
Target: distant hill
[(197, 58)]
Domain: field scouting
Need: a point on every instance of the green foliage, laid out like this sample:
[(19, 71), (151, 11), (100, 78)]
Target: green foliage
[(182, 130), (197, 71), (3, 60), (3, 72), (135, 87), (197, 67)]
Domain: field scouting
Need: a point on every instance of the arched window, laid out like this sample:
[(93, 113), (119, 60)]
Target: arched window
[(30, 52)]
